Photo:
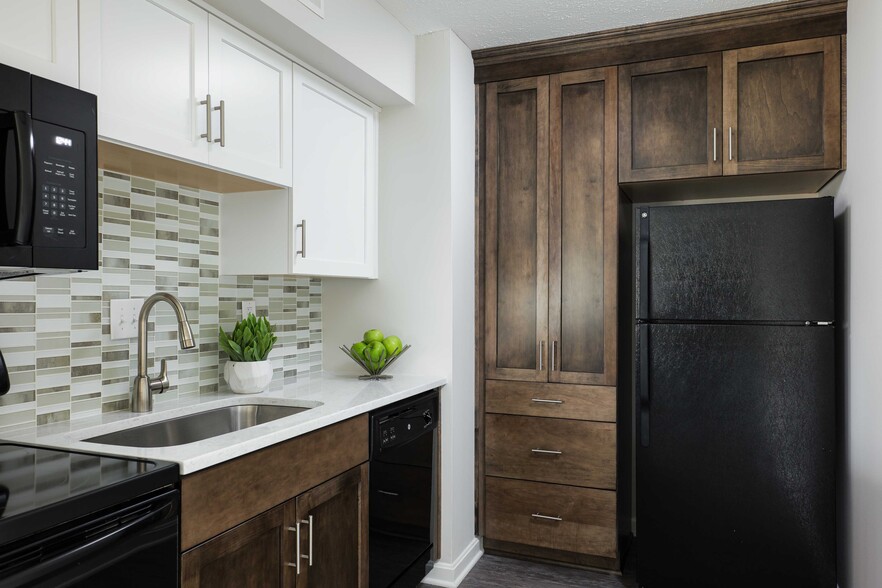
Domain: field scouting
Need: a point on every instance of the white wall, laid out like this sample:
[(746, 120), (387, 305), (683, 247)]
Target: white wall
[(357, 43), (859, 235), (425, 293)]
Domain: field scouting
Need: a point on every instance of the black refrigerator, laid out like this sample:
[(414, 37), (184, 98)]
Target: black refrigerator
[(735, 391)]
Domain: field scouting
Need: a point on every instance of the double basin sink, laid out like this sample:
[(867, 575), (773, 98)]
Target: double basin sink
[(198, 426)]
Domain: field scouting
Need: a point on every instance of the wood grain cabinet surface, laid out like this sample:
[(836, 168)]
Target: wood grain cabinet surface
[(551, 217), (241, 520), (767, 109)]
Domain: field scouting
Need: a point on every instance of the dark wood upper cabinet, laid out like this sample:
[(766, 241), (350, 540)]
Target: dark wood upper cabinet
[(671, 118), (583, 208), (782, 104), (774, 108), (516, 295), (551, 217)]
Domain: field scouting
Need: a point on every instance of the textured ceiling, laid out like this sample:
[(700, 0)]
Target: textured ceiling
[(491, 23)]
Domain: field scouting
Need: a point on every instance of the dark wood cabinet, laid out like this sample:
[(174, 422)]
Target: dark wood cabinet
[(333, 531), (774, 108), (551, 217), (782, 107), (671, 118), (241, 520), (246, 555)]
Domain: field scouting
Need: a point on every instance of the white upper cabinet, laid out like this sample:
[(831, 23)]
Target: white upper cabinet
[(147, 60), (40, 37), (251, 84), (326, 225), (172, 79), (335, 181)]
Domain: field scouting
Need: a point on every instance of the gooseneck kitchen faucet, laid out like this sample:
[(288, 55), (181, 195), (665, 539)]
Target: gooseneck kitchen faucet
[(144, 386)]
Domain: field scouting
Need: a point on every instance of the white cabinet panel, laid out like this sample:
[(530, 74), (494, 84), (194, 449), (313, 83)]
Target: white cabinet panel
[(335, 183), (254, 83), (147, 60), (40, 36)]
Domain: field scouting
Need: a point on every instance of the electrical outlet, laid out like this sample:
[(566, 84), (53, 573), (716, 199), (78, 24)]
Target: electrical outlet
[(124, 318), (249, 307)]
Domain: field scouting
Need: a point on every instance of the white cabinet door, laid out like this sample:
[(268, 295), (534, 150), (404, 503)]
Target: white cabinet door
[(335, 181), (147, 60), (40, 36), (254, 83)]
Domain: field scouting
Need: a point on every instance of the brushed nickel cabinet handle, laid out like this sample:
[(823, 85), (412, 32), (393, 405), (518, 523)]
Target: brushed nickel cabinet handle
[(553, 356), (296, 530), (223, 124), (545, 517), (207, 103), (547, 451), (715, 144), (546, 401), (541, 355), (730, 143), (310, 523), (387, 493), (302, 227)]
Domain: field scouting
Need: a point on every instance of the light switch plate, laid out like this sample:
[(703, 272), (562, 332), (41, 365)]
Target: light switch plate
[(124, 318), (249, 307)]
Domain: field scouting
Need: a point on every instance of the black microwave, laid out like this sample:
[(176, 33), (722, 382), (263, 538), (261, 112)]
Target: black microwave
[(48, 176)]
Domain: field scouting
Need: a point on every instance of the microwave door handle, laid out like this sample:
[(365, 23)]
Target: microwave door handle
[(24, 156)]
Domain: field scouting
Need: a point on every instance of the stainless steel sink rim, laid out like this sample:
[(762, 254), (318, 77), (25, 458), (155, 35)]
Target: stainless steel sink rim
[(198, 426)]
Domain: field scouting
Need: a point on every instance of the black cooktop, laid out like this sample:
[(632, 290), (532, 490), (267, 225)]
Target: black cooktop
[(41, 488)]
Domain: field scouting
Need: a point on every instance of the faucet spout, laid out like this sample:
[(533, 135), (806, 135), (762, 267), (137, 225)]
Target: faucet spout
[(144, 386)]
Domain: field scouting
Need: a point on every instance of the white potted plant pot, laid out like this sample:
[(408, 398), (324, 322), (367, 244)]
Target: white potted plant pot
[(248, 377)]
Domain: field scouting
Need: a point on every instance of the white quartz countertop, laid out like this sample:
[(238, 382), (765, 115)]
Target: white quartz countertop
[(334, 398)]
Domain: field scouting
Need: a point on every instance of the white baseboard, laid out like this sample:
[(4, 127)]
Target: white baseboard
[(449, 575)]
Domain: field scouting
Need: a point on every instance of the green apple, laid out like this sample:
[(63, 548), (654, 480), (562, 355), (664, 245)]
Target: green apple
[(358, 349), (375, 353), (373, 335), (393, 345)]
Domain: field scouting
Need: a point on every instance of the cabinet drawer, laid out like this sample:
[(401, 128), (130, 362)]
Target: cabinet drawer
[(563, 401), (579, 453), (587, 517)]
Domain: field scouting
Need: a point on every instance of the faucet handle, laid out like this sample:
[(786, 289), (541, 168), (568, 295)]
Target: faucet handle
[(160, 384)]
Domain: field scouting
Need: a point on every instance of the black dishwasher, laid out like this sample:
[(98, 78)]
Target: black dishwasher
[(402, 498)]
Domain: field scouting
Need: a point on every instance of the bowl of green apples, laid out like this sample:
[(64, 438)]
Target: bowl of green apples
[(375, 353)]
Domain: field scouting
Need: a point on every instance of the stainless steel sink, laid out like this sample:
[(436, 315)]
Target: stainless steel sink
[(199, 426)]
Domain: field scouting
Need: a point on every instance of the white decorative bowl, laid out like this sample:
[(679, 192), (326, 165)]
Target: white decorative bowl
[(248, 377)]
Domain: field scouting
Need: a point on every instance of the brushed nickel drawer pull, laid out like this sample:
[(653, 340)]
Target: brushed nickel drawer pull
[(546, 401), (207, 103), (223, 124), (536, 515), (309, 557), (547, 451), (730, 143), (715, 144)]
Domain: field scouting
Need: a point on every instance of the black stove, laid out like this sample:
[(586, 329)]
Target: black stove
[(71, 519)]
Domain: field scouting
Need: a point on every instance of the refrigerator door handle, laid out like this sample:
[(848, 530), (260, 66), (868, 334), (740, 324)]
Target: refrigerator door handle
[(643, 383), (643, 267)]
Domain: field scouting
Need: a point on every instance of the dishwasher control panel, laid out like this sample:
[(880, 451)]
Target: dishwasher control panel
[(403, 422)]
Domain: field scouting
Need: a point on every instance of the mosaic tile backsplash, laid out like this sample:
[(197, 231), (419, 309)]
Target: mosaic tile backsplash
[(55, 330)]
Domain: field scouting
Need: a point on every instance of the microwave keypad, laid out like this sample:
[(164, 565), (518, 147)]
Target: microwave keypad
[(59, 205)]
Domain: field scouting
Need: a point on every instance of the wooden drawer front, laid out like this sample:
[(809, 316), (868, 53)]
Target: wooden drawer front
[(588, 516), (221, 497), (587, 450), (563, 401)]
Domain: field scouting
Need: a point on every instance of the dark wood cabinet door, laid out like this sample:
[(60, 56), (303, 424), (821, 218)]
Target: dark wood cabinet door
[(582, 227), (782, 107), (670, 119), (333, 523), (247, 555), (516, 239)]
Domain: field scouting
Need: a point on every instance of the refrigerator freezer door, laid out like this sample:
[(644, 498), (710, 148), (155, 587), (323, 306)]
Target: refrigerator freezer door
[(748, 261), (735, 484)]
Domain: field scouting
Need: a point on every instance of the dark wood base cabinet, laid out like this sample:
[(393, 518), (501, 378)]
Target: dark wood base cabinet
[(316, 537)]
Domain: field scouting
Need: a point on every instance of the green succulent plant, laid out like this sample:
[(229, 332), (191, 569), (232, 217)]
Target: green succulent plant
[(251, 340)]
